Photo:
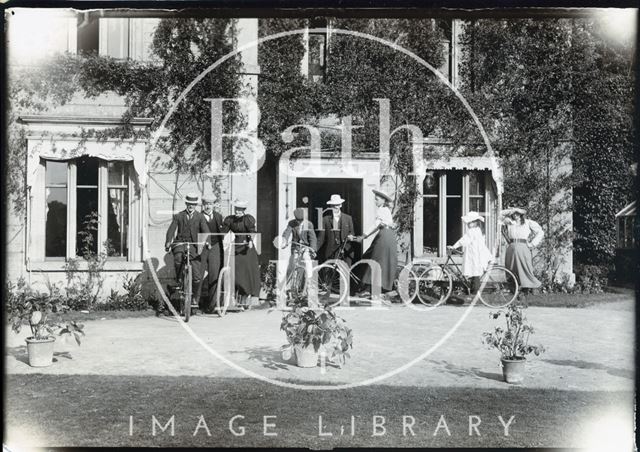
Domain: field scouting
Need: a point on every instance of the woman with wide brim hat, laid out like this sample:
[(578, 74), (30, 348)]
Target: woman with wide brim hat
[(523, 234), (476, 255), (383, 249), (247, 268)]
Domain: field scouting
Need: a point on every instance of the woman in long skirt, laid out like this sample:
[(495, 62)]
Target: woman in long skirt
[(247, 270), (522, 234), (383, 249)]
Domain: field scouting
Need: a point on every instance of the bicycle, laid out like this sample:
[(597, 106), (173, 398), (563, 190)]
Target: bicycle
[(185, 280), (296, 282), (499, 286), (330, 275), (225, 294)]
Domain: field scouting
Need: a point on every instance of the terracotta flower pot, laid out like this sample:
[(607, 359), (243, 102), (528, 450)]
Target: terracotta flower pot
[(306, 356), (513, 369), (40, 351)]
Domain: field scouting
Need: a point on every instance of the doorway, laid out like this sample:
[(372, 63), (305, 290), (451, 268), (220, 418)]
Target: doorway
[(313, 193)]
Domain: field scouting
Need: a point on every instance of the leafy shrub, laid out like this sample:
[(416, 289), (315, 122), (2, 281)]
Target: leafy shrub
[(591, 278), (131, 300), (268, 278)]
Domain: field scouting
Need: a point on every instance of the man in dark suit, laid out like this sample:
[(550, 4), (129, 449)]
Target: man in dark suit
[(336, 229), (212, 258), (186, 226)]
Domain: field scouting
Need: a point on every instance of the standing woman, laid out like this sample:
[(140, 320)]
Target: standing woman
[(522, 235), (247, 270), (384, 248)]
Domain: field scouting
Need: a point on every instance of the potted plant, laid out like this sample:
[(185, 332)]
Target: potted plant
[(35, 309), (310, 329), (512, 343)]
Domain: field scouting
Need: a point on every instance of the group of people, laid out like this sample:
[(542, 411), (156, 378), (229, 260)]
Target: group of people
[(208, 228), (336, 233), (522, 235)]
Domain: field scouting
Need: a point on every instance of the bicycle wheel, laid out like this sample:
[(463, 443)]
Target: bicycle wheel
[(224, 292), (500, 287), (298, 282), (188, 291), (434, 285), (332, 280)]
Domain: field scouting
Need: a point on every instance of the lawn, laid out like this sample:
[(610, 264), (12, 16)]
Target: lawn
[(92, 410)]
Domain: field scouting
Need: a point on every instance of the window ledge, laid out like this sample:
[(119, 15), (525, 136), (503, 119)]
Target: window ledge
[(58, 266)]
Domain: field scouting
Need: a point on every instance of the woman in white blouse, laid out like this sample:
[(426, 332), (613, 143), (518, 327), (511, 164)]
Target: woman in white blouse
[(522, 235), (384, 249)]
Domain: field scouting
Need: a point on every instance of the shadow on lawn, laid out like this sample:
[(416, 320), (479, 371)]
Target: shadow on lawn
[(267, 356), (466, 371), (20, 354), (624, 373)]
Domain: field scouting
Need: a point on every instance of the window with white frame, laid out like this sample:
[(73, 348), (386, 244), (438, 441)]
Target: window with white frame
[(446, 196), (127, 37), (317, 47), (87, 208)]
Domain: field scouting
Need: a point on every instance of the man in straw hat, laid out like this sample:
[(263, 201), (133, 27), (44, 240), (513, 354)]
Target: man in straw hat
[(185, 227), (212, 258), (336, 229)]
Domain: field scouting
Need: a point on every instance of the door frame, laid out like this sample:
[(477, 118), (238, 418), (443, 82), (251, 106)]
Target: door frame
[(367, 170)]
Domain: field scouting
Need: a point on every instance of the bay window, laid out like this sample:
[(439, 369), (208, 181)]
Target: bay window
[(87, 208)]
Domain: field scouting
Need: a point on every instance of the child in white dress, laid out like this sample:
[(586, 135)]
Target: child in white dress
[(476, 256)]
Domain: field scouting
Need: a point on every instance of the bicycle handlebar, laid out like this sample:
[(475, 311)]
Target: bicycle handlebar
[(302, 245)]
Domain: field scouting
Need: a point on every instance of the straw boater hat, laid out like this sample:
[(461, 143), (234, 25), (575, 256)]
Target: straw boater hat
[(335, 200), (240, 204), (382, 194), (192, 198), (210, 199), (472, 216), (512, 210)]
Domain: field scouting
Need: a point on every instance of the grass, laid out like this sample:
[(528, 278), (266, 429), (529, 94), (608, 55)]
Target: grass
[(577, 300), (93, 410)]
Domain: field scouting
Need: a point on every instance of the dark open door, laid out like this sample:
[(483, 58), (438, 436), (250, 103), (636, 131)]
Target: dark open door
[(313, 193)]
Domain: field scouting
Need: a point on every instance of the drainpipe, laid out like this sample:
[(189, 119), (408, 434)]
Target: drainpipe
[(27, 222)]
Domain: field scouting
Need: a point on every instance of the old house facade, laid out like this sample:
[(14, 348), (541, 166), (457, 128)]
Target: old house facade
[(70, 175)]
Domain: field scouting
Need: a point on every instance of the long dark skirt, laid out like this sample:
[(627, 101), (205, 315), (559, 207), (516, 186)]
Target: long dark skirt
[(248, 272), (518, 259), (384, 251)]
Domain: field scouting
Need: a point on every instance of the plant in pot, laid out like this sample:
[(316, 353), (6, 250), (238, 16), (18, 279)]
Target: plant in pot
[(37, 310), (312, 330), (512, 342)]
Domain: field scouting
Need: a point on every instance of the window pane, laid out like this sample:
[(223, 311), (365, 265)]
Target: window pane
[(87, 221), (430, 183), (316, 56), (87, 173), (56, 223), (454, 222), (117, 173), (56, 173), (430, 224), (477, 204), (117, 37), (118, 221), (454, 183), (476, 183)]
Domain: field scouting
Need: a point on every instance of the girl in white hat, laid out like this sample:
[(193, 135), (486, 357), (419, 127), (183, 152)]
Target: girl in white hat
[(476, 256)]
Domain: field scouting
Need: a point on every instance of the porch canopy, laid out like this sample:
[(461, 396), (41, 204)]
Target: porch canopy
[(482, 163)]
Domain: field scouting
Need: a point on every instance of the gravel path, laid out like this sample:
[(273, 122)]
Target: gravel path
[(588, 349)]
